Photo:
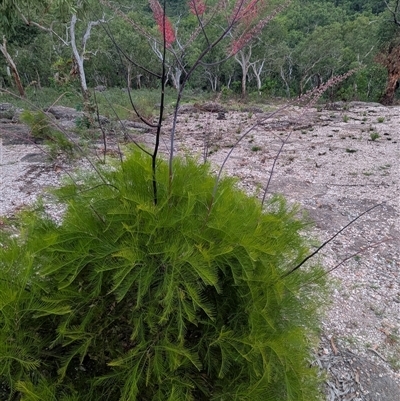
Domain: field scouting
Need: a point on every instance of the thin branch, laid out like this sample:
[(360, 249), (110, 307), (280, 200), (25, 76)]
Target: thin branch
[(103, 132), (284, 142), (71, 139), (330, 240), (135, 109), (394, 11), (179, 97), (122, 51), (89, 27), (161, 109), (201, 26), (138, 27), (41, 27), (360, 251), (122, 125), (247, 132)]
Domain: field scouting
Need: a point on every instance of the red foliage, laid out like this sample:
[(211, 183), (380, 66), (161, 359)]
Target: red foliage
[(246, 16), (164, 24), (197, 7), (245, 10)]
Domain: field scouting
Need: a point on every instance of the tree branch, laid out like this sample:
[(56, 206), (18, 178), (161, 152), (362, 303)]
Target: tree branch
[(41, 27), (394, 11)]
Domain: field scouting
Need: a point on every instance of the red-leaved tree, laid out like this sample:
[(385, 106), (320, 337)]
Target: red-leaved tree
[(164, 24), (230, 25)]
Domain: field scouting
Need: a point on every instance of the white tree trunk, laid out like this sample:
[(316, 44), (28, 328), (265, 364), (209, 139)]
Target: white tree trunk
[(79, 56), (257, 73), (244, 61), (176, 78), (213, 79)]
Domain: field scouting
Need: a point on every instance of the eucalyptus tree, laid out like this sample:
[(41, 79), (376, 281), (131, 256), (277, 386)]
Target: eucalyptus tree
[(9, 18), (389, 43), (60, 18)]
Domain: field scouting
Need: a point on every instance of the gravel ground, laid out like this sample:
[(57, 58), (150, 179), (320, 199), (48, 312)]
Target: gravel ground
[(336, 163)]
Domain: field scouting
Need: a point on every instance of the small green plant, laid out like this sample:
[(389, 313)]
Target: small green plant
[(256, 148), (351, 150), (381, 119), (374, 136), (39, 124), (226, 93), (394, 361), (393, 338), (43, 130), (351, 340), (345, 118), (128, 300), (385, 167), (379, 312), (82, 122)]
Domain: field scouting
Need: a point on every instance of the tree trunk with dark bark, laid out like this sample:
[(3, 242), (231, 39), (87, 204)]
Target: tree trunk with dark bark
[(13, 67), (391, 86), (391, 61)]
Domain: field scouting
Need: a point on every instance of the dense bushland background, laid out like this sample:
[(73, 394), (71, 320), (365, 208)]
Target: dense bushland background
[(306, 44)]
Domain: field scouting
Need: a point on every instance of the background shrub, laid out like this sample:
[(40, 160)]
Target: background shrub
[(127, 300), (42, 129)]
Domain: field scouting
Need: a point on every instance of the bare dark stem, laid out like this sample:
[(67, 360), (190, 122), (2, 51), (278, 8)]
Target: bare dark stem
[(103, 132), (181, 88), (247, 132), (284, 142), (160, 114), (123, 53), (329, 240), (122, 125), (360, 251), (173, 129), (120, 54)]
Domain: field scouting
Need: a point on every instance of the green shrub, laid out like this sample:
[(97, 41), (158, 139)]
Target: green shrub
[(43, 130), (374, 136), (38, 122), (127, 300)]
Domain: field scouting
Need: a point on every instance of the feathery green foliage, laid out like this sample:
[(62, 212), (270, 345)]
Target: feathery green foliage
[(42, 129), (127, 300)]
